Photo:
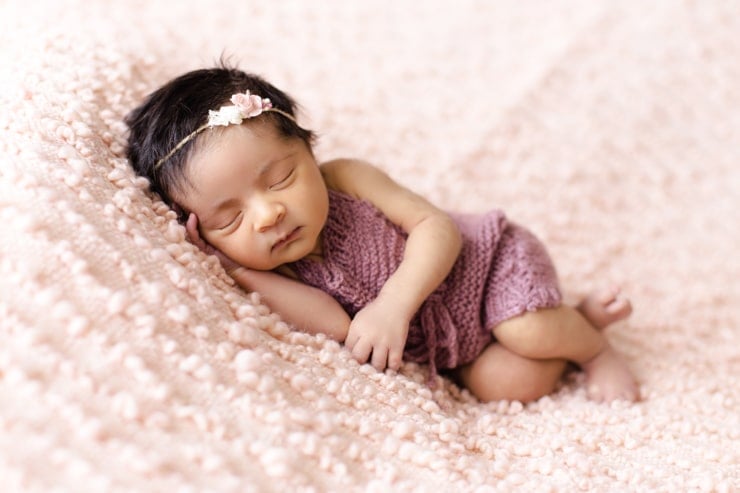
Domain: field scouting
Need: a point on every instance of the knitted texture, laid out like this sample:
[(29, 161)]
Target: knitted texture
[(129, 362), (501, 272)]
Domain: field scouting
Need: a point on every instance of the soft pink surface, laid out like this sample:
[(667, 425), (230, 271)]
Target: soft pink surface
[(129, 361)]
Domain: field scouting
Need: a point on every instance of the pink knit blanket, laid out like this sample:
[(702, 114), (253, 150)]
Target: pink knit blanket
[(129, 361)]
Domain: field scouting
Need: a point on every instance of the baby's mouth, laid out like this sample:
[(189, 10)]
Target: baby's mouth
[(286, 239)]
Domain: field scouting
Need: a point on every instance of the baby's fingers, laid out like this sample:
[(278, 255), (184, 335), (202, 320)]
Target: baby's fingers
[(380, 357), (191, 228), (395, 358), (361, 351)]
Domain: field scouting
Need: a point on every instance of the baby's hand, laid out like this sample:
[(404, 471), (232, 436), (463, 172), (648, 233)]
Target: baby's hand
[(191, 227), (378, 330)]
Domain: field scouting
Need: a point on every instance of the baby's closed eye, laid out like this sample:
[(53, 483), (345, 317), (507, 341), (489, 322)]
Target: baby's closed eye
[(282, 179), (231, 223)]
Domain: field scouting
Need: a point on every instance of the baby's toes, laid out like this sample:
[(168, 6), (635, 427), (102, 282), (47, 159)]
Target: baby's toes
[(609, 393), (621, 307), (595, 393)]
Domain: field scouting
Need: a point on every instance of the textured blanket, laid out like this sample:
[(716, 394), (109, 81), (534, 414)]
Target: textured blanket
[(129, 361)]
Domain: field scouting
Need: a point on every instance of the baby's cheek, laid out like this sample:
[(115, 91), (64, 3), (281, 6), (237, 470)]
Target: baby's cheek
[(214, 240), (232, 250), (248, 256)]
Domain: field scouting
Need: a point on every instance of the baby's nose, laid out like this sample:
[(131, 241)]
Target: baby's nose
[(269, 214)]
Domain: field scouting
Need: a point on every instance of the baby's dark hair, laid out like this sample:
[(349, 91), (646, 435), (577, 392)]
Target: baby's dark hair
[(173, 111)]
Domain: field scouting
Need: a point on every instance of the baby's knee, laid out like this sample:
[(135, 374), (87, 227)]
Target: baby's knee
[(528, 333), (499, 374), (524, 388)]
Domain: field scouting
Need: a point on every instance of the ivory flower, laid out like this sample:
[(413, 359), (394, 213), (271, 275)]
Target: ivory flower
[(226, 115)]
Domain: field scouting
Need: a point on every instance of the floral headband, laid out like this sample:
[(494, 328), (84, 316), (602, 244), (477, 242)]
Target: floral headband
[(245, 106)]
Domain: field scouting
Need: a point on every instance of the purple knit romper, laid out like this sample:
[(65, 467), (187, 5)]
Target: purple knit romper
[(502, 271)]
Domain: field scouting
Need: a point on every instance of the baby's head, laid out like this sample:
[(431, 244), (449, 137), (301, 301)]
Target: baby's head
[(158, 144), (225, 146)]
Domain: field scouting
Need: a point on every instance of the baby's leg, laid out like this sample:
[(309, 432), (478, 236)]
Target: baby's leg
[(564, 333), (498, 374)]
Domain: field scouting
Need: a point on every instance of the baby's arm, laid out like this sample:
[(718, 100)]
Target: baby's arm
[(432, 247), (306, 308)]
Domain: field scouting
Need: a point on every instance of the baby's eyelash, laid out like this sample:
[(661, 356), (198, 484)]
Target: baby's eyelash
[(230, 223), (283, 179)]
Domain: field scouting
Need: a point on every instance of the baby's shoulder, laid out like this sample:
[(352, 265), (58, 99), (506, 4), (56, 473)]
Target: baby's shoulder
[(343, 174), (363, 181)]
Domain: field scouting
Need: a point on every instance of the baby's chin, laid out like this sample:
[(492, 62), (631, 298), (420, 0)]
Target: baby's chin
[(293, 252), (267, 264)]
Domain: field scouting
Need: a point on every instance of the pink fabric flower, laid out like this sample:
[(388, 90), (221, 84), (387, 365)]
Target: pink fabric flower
[(250, 105)]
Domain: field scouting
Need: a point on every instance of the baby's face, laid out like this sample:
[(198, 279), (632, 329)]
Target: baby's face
[(260, 199)]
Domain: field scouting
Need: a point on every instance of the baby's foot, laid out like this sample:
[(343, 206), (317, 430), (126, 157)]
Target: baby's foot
[(604, 307), (609, 379)]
